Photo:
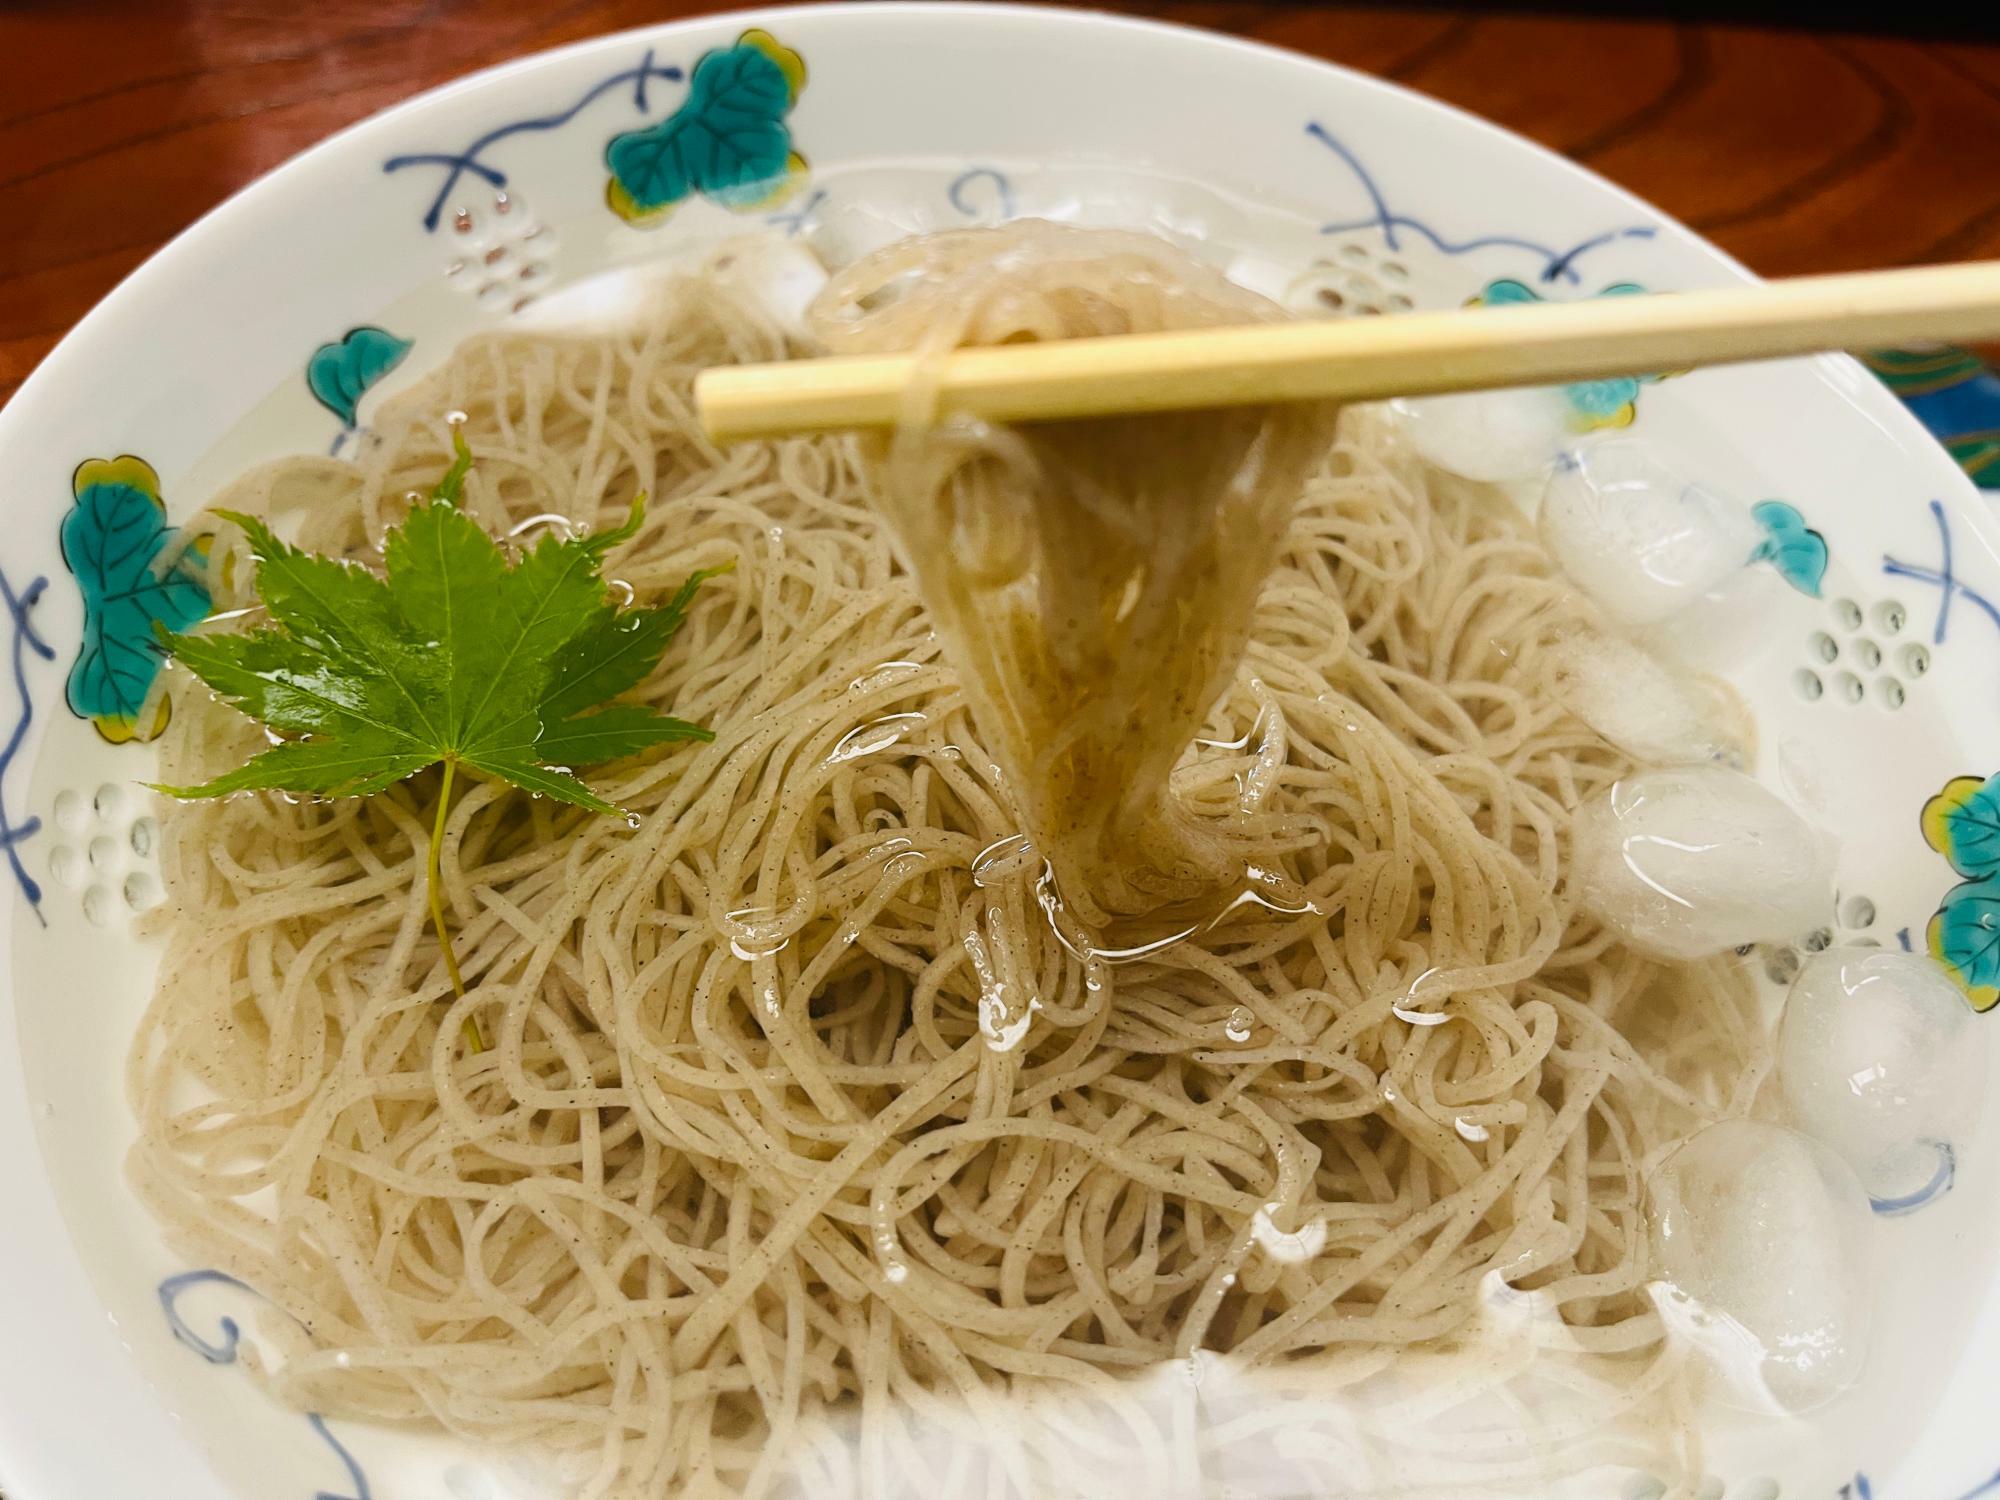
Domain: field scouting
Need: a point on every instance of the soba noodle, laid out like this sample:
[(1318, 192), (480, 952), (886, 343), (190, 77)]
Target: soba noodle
[(1093, 581), (803, 1137)]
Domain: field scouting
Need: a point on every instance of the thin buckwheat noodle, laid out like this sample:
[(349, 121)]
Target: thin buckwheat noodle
[(816, 1150)]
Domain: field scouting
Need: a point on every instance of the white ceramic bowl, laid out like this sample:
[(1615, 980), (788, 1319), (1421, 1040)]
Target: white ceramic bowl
[(448, 214)]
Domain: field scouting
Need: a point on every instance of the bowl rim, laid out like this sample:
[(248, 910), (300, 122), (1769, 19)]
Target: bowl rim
[(53, 1441)]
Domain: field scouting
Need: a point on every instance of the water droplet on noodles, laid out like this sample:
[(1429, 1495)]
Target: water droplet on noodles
[(1403, 1009), (1241, 742), (1004, 859), (1002, 1029), (882, 674), (872, 737), (1276, 891), (633, 820), (756, 931), (1288, 1246), (1237, 1027), (889, 1249), (1470, 1129), (770, 1003), (1002, 1033), (553, 520)]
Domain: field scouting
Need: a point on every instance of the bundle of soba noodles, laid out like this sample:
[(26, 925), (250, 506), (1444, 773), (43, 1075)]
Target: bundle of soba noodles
[(1120, 926)]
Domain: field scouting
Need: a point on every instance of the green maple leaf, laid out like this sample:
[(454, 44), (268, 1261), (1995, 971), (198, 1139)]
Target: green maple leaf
[(458, 656)]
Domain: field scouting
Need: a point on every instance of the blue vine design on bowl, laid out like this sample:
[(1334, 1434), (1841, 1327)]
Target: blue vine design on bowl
[(794, 220), (1947, 583), (360, 1480), (961, 196), (224, 1349), (222, 1352), (458, 163), (12, 834), (1858, 1488), (1937, 1187), (1557, 264)]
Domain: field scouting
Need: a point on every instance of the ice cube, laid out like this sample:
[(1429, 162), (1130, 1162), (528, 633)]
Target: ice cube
[(1644, 707), (782, 276), (1689, 861), (1881, 1060), (1637, 537), (1749, 613), (1487, 435), (1767, 1232), (845, 229)]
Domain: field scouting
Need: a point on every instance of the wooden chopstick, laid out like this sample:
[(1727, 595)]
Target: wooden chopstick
[(1364, 359)]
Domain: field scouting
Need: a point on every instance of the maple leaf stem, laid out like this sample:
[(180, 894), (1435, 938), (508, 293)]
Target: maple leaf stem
[(473, 1038)]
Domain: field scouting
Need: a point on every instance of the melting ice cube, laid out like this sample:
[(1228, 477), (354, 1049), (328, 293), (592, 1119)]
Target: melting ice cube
[(1693, 860), (1766, 1231), (1635, 700), (1881, 1060), (782, 276), (1487, 435), (1635, 536)]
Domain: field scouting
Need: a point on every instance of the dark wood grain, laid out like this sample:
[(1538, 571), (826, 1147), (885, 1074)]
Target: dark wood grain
[(122, 121)]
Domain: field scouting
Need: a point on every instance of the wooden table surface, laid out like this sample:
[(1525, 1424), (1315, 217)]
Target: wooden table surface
[(121, 121)]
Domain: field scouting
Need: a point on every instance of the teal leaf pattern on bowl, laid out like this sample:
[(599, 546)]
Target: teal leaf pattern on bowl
[(1965, 937), (728, 140), (1792, 547), (339, 374), (1593, 404), (1962, 822), (136, 580)]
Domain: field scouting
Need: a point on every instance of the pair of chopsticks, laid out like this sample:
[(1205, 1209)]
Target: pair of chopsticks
[(1367, 359)]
